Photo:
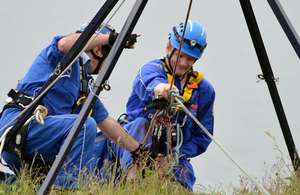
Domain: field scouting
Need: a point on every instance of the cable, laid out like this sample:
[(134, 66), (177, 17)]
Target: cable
[(173, 95)]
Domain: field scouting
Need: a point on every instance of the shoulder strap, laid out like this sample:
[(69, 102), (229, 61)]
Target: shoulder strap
[(192, 84), (83, 89)]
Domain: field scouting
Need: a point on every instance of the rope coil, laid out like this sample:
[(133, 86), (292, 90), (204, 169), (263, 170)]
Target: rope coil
[(39, 114)]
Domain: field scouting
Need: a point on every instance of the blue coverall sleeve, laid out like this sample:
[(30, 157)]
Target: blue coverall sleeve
[(53, 54), (99, 111), (199, 140), (149, 75)]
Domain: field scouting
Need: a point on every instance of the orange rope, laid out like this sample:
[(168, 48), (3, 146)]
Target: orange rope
[(181, 41)]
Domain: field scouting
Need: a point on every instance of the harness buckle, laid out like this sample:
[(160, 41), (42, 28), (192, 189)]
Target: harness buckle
[(19, 97)]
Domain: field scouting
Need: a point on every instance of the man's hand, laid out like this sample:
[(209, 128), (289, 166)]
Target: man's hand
[(163, 90)]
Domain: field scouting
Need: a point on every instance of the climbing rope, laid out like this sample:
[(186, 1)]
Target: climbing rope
[(174, 95), (175, 149), (39, 114), (104, 86)]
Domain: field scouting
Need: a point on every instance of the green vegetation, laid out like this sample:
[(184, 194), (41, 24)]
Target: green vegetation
[(279, 179)]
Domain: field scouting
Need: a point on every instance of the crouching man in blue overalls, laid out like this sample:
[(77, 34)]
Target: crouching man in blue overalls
[(43, 142), (154, 79)]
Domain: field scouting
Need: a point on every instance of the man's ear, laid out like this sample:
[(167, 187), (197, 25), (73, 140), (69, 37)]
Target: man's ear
[(168, 48), (98, 51)]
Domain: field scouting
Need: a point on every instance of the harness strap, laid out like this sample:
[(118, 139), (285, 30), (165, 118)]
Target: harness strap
[(19, 97), (21, 100), (192, 84), (83, 89), (18, 143)]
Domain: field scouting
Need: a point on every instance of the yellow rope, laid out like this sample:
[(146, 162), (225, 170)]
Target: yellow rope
[(39, 114)]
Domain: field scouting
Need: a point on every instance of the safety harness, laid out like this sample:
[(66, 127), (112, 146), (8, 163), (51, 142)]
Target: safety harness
[(17, 98), (163, 118), (21, 100), (191, 84)]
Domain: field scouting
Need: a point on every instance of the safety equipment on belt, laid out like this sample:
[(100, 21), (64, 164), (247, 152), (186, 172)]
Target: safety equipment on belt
[(194, 41), (18, 98), (21, 100)]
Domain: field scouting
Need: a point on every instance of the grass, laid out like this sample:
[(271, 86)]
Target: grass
[(279, 179)]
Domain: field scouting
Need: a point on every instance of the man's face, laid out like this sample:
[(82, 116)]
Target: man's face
[(185, 62)]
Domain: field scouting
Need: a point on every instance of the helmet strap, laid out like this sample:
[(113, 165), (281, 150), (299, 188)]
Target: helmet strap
[(190, 70), (185, 74), (169, 58)]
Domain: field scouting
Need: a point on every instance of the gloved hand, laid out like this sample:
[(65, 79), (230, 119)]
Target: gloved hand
[(130, 40), (144, 152)]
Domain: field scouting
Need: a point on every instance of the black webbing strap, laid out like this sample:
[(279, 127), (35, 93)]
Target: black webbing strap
[(18, 143)]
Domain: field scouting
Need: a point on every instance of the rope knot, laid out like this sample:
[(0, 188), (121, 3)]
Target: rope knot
[(39, 114)]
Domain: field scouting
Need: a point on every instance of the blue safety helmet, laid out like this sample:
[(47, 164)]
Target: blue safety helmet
[(194, 38), (106, 30)]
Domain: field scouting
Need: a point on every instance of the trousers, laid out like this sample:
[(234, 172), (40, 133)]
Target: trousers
[(44, 142)]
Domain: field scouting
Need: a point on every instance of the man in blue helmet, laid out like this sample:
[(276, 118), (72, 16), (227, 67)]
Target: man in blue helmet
[(154, 78), (43, 142)]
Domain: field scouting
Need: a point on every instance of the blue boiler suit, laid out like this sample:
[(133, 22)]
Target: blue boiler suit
[(195, 140), (46, 140)]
